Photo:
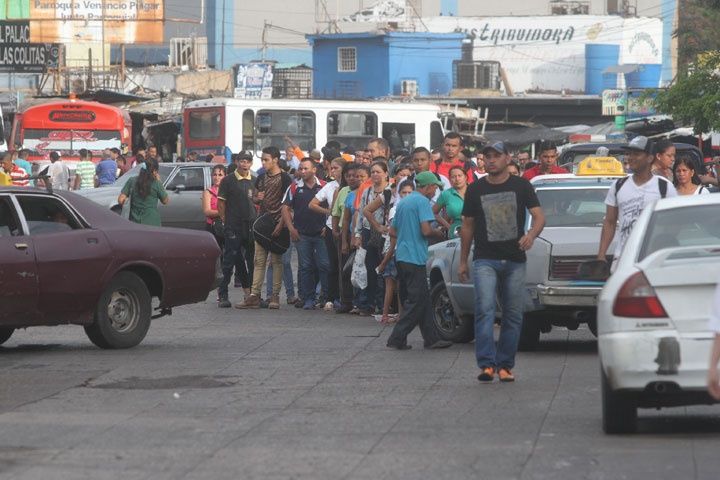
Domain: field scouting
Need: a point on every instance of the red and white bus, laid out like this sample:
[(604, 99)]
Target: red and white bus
[(66, 126)]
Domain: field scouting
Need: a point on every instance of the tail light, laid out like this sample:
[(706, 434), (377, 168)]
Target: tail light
[(637, 298)]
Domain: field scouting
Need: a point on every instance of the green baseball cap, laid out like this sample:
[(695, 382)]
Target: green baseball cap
[(424, 179)]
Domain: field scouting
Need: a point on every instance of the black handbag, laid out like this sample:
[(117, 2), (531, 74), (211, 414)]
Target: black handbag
[(263, 228), (218, 228)]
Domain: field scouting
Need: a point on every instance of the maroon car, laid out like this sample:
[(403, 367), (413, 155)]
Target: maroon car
[(67, 260)]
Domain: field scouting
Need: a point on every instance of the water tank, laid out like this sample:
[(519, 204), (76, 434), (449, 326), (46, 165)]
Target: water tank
[(597, 58), (646, 76)]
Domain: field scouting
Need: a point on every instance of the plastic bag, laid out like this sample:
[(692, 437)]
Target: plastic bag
[(358, 278)]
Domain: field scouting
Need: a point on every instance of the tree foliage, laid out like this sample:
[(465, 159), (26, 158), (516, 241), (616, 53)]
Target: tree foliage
[(694, 97)]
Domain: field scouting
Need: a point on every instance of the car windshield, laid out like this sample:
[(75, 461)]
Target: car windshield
[(164, 171), (694, 225), (573, 207)]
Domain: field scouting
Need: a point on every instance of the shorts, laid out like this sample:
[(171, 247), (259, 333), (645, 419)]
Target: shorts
[(390, 270)]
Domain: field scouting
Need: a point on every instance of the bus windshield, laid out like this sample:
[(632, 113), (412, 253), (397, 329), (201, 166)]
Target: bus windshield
[(68, 142)]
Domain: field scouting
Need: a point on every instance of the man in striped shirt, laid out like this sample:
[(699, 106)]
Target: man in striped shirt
[(84, 171), (19, 176)]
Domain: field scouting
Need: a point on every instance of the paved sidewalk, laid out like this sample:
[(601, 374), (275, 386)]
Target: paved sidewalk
[(216, 394)]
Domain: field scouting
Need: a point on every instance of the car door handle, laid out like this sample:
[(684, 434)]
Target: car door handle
[(21, 246), (92, 241)]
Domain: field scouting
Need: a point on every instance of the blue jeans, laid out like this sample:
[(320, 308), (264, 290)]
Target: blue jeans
[(508, 278), (312, 255), (288, 279)]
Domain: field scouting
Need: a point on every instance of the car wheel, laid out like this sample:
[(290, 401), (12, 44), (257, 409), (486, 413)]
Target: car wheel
[(5, 334), (122, 316), (529, 333), (619, 409), (450, 326)]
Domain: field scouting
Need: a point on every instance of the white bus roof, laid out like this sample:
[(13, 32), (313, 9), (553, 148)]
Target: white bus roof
[(310, 103)]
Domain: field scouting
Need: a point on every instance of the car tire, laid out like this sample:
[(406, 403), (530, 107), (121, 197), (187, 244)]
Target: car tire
[(122, 316), (529, 334), (451, 327), (5, 334), (619, 409)]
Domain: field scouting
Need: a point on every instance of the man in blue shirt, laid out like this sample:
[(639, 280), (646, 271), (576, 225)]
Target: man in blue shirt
[(106, 170), (411, 227)]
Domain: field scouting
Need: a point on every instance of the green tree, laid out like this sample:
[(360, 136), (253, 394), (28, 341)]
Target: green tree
[(697, 29), (694, 98)]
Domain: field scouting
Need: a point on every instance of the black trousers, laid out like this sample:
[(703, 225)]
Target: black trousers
[(238, 253), (417, 309)]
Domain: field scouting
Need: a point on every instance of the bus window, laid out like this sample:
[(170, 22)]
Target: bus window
[(399, 135), (204, 125), (248, 130), (272, 126), (67, 142), (352, 129), (436, 135)]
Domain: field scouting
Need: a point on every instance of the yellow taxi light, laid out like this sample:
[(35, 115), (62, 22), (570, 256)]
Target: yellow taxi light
[(607, 166), (5, 179)]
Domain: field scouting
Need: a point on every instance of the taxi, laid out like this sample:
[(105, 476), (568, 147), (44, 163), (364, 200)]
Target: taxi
[(556, 296)]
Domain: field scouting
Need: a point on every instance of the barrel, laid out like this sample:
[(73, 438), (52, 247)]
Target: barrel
[(598, 57), (647, 75)]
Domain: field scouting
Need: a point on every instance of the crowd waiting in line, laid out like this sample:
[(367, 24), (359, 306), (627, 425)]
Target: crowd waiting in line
[(361, 225)]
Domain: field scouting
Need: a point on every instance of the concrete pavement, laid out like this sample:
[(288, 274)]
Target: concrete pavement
[(215, 394)]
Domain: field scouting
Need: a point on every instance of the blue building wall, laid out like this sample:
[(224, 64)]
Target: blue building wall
[(370, 78), (383, 62), (668, 16), (224, 54), (428, 59)]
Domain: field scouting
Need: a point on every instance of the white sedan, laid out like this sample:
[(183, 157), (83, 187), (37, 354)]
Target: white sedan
[(653, 335)]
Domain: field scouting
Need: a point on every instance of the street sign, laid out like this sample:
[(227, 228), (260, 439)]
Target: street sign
[(614, 102), (17, 54)]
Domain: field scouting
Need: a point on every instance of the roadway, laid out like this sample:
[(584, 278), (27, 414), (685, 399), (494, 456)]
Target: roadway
[(286, 394)]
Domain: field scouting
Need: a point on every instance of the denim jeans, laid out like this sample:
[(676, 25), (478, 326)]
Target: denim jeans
[(507, 278), (417, 310), (238, 247), (287, 277), (312, 255)]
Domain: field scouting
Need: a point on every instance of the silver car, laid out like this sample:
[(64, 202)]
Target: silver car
[(554, 296), (185, 183)]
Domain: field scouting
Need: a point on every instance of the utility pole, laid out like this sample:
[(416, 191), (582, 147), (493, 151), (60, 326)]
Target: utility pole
[(264, 39), (222, 41)]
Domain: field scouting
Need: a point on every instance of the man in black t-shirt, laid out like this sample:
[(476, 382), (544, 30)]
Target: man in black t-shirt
[(494, 217), (237, 211)]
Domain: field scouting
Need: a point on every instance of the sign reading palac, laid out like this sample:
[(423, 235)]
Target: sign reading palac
[(17, 54), (109, 21)]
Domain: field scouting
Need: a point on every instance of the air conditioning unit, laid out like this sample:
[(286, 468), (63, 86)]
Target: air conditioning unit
[(476, 75), (408, 88)]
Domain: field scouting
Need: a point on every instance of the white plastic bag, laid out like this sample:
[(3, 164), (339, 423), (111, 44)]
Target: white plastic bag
[(359, 272)]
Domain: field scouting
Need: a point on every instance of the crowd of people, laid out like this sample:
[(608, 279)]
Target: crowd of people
[(361, 223)]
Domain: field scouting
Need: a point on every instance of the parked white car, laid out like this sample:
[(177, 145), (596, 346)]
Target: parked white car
[(654, 340)]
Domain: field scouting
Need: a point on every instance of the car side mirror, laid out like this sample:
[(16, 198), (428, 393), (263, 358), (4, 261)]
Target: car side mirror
[(457, 231), (179, 188)]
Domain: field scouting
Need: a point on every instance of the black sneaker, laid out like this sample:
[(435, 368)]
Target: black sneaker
[(399, 346), (264, 303), (223, 302)]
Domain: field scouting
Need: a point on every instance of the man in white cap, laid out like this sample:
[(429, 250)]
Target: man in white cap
[(627, 197)]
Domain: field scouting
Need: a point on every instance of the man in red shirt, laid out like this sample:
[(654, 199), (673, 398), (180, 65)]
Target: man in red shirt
[(452, 146), (547, 162)]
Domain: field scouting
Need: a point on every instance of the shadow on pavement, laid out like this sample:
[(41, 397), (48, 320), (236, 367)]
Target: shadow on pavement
[(573, 346), (680, 424)]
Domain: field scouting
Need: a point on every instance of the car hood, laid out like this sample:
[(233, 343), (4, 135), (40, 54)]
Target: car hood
[(572, 241)]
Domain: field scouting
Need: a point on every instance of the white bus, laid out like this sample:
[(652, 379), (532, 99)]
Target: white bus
[(211, 125)]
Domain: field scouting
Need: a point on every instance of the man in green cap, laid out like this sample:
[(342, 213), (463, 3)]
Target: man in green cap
[(411, 228)]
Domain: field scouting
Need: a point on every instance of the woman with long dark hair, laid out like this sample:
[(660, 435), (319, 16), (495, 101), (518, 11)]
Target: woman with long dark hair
[(210, 201), (664, 158), (685, 178), (143, 192)]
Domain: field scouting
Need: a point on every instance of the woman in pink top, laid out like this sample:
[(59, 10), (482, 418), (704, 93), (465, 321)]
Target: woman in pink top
[(210, 201)]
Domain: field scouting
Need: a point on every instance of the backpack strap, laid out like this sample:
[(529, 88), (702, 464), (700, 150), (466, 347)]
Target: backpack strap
[(619, 183), (662, 186)]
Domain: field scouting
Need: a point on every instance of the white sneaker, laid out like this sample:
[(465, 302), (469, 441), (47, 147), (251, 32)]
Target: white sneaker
[(328, 307)]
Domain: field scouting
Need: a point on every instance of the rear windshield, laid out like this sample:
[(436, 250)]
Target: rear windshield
[(695, 225), (68, 142), (573, 207)]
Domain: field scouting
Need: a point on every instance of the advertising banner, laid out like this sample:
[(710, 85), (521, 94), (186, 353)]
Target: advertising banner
[(253, 80), (108, 21), (614, 102), (18, 55), (547, 53)]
